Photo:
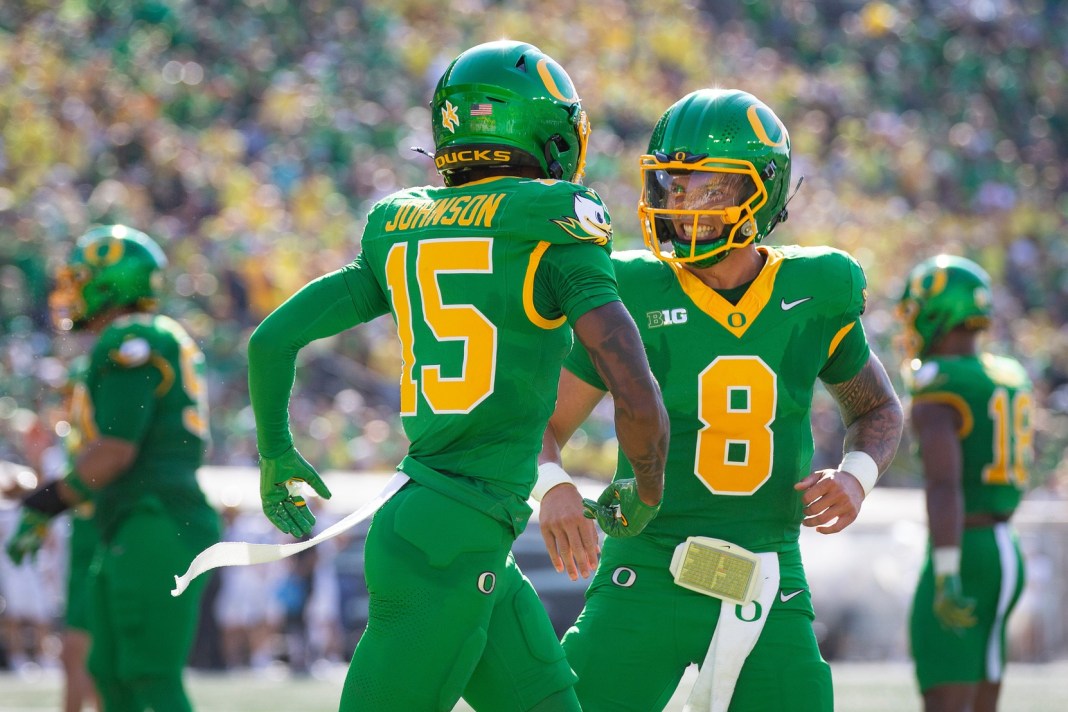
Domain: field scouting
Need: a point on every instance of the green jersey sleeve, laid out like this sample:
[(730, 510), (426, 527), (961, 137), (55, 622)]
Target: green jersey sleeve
[(324, 307), (368, 295), (849, 348), (572, 280)]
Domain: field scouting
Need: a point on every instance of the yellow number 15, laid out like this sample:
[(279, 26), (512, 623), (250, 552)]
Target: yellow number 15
[(461, 322)]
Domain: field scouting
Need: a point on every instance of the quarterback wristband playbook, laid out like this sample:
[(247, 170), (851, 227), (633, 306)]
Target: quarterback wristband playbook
[(549, 475), (861, 465), (717, 568)]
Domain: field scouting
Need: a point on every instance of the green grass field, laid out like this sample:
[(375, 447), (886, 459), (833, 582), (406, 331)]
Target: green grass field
[(859, 687)]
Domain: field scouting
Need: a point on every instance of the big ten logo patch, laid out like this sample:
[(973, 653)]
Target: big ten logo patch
[(666, 317)]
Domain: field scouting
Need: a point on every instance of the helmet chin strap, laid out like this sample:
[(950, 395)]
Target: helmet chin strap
[(783, 214), (684, 247)]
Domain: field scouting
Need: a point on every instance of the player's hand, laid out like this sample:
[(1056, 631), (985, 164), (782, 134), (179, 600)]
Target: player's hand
[(951, 607), (29, 534), (619, 510), (280, 479), (570, 537), (830, 495)]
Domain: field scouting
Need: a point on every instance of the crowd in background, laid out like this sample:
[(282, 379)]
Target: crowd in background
[(250, 137)]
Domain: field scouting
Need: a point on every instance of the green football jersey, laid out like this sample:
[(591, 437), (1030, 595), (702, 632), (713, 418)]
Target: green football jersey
[(738, 382), (145, 384), (993, 395), (481, 280)]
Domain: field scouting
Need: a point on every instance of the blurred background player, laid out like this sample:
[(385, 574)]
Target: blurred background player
[(79, 690), (142, 412), (481, 277), (971, 415), (246, 608), (30, 594), (737, 336)]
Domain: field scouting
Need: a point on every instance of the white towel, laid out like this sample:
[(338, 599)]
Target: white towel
[(736, 635), (240, 553)]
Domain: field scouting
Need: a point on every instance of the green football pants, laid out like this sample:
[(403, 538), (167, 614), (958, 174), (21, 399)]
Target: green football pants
[(639, 631), (141, 635), (451, 615), (992, 573), (84, 539)]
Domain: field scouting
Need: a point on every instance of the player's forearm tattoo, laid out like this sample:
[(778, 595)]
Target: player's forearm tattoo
[(871, 411), (641, 421)]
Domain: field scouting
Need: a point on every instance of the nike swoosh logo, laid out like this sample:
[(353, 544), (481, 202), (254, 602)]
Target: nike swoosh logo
[(784, 596), (787, 306)]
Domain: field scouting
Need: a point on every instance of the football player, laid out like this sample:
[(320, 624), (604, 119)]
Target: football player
[(141, 413), (737, 333), (971, 415), (482, 277), (78, 689)]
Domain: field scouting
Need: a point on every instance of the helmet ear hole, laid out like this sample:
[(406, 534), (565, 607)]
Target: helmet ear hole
[(665, 230), (556, 141)]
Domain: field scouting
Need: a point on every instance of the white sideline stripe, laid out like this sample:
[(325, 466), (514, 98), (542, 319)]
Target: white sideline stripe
[(1009, 566), (240, 553)]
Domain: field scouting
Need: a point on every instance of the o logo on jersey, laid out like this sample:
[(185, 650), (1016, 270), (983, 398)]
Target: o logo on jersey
[(736, 320), (486, 582), (624, 577)]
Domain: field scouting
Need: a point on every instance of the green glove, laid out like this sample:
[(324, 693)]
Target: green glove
[(952, 609), (619, 510), (29, 534), (280, 479)]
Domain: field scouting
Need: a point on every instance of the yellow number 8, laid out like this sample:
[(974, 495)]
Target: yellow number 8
[(736, 405)]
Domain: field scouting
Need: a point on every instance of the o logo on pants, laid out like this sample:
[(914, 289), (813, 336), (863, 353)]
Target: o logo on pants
[(749, 613), (486, 582), (624, 577)]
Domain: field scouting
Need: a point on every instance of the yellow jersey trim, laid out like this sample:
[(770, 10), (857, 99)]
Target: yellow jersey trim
[(166, 371), (839, 336), (957, 403), (528, 291), (735, 318)]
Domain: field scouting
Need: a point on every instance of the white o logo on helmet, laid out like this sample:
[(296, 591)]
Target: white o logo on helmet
[(624, 577), (486, 582)]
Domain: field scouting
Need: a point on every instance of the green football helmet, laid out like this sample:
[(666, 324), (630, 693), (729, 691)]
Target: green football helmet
[(110, 266), (507, 104), (940, 294), (716, 176)]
